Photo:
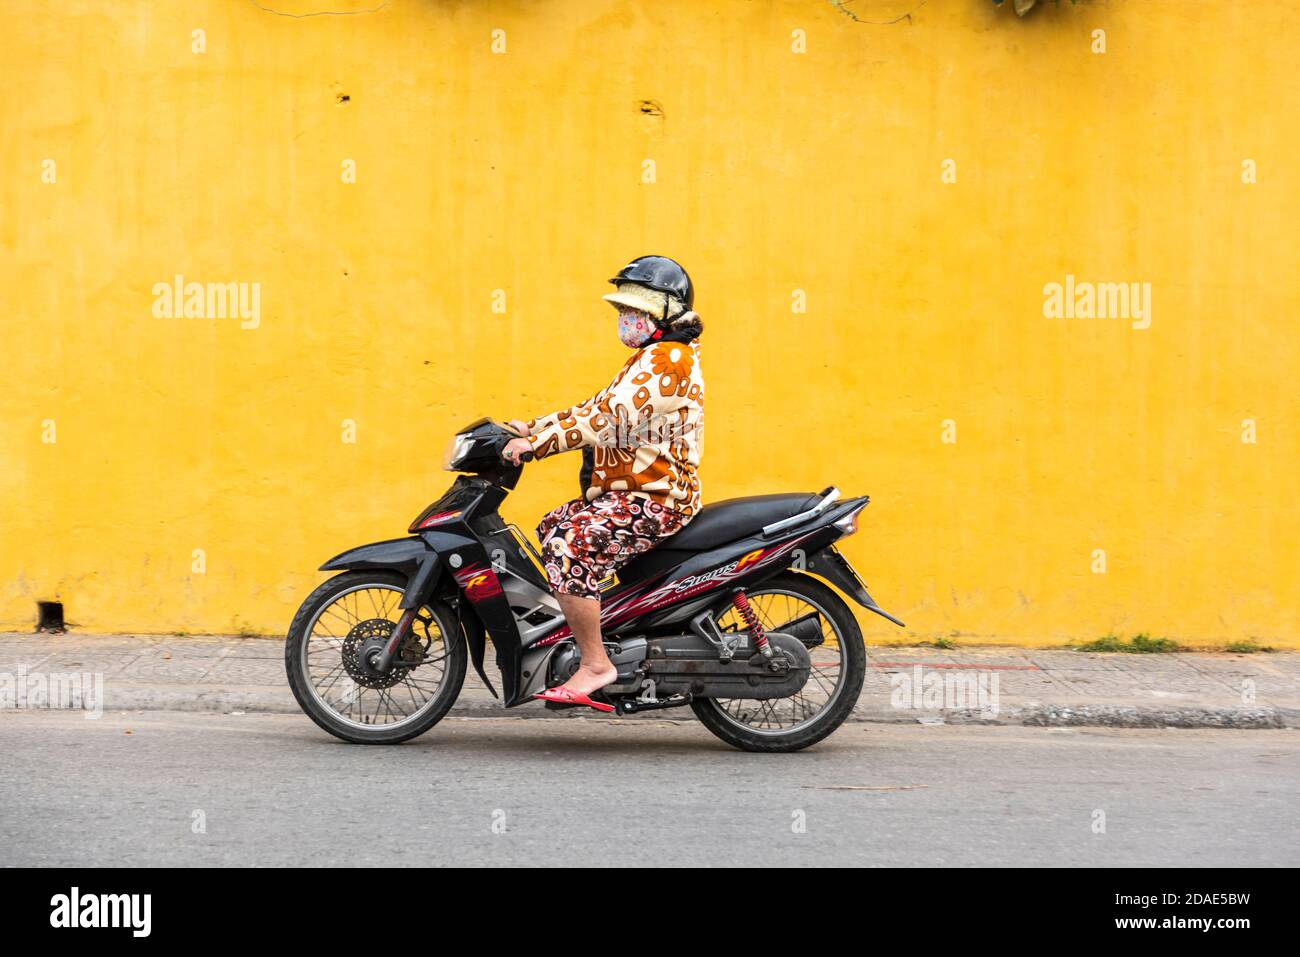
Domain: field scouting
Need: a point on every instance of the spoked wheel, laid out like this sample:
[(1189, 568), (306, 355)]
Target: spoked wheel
[(332, 639), (839, 664)]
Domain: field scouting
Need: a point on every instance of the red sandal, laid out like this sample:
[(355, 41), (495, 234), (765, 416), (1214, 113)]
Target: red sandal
[(565, 696)]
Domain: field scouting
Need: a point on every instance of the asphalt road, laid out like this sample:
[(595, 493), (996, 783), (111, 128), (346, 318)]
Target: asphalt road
[(195, 789)]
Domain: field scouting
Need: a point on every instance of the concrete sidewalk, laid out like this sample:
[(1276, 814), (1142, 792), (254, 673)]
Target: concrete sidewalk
[(1023, 686)]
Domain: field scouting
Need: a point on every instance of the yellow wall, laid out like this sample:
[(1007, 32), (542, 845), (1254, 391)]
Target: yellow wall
[(776, 171)]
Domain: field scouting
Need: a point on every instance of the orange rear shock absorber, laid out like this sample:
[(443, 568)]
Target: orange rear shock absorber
[(750, 618)]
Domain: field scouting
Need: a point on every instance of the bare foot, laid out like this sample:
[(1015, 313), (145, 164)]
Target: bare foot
[(586, 680)]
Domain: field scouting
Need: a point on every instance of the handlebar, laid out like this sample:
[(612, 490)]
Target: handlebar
[(523, 457)]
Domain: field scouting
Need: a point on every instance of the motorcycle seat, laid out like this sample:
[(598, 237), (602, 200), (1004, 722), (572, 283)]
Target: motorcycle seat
[(735, 518)]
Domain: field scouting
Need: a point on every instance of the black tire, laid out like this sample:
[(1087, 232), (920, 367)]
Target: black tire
[(426, 716), (845, 695)]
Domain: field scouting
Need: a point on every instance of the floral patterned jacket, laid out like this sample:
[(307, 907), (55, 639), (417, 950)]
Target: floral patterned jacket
[(645, 428)]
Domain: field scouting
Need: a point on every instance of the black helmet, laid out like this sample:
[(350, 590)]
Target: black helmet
[(659, 273)]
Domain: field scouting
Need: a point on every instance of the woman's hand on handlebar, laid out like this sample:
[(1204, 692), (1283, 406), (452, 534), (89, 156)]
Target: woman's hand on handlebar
[(520, 426), (517, 451)]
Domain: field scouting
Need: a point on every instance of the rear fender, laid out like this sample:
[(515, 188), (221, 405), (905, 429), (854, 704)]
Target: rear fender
[(835, 568)]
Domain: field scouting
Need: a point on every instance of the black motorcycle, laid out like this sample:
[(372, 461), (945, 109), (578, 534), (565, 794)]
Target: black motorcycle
[(730, 616)]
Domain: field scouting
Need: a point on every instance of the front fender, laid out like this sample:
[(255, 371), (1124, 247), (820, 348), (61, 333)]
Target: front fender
[(417, 557), (390, 554), (411, 556)]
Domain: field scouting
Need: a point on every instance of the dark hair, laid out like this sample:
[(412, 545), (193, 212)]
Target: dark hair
[(688, 325)]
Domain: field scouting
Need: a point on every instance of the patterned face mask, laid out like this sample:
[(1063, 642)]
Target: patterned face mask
[(634, 328)]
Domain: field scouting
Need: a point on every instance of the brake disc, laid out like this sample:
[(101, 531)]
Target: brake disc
[(365, 641)]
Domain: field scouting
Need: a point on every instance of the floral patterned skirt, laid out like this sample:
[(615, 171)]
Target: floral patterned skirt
[(583, 543)]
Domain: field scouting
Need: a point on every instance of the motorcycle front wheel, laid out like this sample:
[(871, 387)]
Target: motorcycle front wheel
[(839, 665), (339, 625)]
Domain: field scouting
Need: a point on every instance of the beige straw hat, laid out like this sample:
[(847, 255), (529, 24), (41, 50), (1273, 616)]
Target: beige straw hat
[(636, 296)]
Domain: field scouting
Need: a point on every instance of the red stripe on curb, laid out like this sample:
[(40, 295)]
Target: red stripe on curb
[(926, 664)]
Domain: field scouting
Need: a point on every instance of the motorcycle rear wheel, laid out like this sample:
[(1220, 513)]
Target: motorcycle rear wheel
[(321, 656), (780, 725)]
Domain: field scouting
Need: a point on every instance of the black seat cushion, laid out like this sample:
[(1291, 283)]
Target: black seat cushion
[(735, 518)]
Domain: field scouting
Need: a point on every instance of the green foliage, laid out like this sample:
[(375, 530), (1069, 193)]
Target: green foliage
[(937, 643), (1248, 647), (1139, 644)]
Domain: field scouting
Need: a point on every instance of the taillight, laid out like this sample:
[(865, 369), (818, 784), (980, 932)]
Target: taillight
[(849, 523)]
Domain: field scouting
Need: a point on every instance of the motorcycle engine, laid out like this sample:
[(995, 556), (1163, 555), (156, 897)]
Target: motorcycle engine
[(626, 654), (687, 664)]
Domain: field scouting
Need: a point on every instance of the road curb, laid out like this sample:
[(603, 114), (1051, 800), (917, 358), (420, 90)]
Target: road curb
[(1102, 716), (281, 701), (1113, 716)]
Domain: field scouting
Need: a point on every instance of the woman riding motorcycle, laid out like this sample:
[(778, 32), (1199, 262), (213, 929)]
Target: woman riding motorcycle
[(641, 438)]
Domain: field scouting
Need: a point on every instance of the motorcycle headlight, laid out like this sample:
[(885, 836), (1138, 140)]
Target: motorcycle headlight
[(457, 449)]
